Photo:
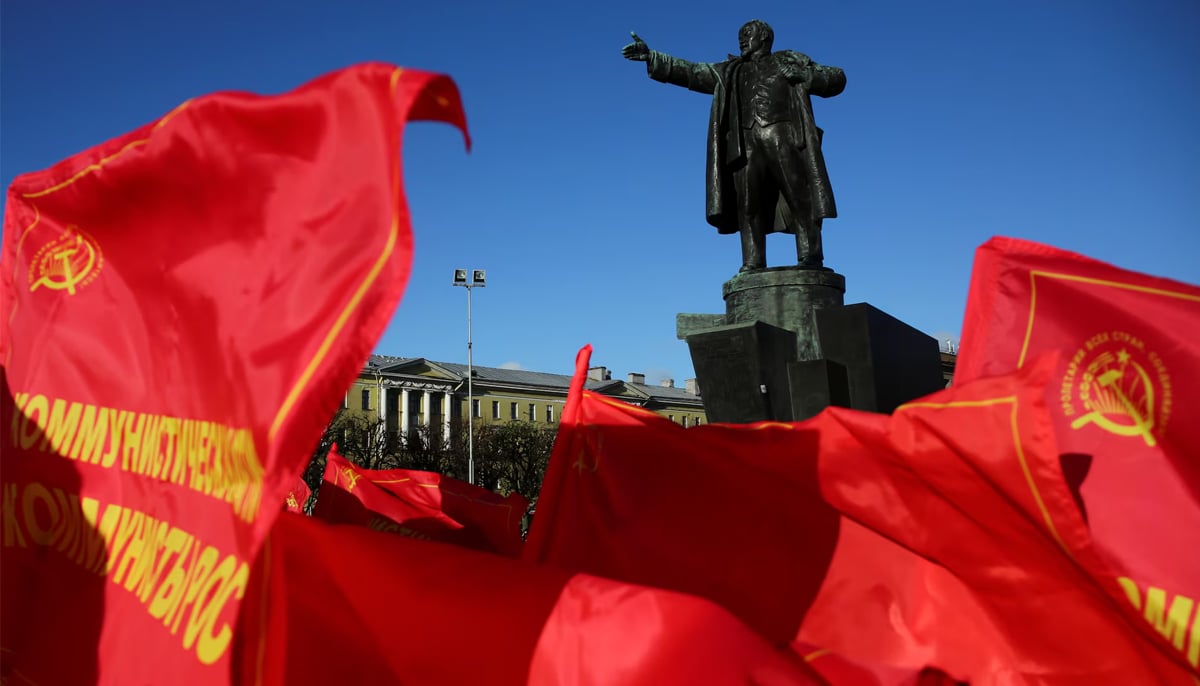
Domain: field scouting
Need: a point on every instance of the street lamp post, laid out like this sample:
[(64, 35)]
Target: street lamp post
[(478, 280)]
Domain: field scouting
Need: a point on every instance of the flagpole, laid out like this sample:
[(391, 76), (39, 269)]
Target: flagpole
[(478, 279), (470, 398)]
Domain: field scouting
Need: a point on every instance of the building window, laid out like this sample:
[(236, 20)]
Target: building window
[(366, 399), (513, 411), (346, 401), (684, 420), (532, 412), (549, 414), (495, 409), (475, 409), (671, 417), (698, 422)]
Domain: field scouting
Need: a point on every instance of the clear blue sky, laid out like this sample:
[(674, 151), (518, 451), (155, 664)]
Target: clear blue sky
[(1073, 122)]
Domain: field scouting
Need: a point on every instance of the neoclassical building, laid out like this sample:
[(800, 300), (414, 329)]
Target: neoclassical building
[(407, 392)]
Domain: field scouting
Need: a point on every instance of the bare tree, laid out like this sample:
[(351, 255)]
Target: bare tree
[(509, 457), (513, 456), (426, 448), (365, 440)]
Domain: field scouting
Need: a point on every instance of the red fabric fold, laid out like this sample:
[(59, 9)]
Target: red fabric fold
[(182, 309), (945, 536)]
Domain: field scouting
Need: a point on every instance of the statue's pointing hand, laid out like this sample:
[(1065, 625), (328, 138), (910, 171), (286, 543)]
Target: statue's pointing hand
[(637, 51)]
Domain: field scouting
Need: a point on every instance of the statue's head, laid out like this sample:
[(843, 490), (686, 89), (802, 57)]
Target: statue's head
[(755, 38)]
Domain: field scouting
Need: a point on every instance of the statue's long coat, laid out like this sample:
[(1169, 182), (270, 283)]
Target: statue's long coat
[(724, 135)]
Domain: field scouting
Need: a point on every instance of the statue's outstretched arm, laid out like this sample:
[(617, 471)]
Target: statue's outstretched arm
[(697, 76)]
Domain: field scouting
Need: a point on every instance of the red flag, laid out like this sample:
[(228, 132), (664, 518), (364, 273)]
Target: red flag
[(183, 307), (421, 505), (970, 479), (362, 607), (606, 632), (884, 616), (632, 496), (294, 502), (734, 514), (1014, 602), (1120, 399)]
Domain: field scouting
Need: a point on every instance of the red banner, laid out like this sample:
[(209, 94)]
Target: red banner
[(968, 479), (420, 505), (183, 307), (630, 495), (294, 502), (1120, 397), (346, 604), (735, 514)]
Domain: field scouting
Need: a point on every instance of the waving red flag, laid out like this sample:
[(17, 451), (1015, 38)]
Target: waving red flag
[(1129, 347), (734, 513), (630, 495), (183, 307), (294, 502), (1001, 589), (420, 505), (970, 479), (346, 604)]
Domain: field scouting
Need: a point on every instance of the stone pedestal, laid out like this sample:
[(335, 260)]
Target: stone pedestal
[(743, 371), (888, 362), (785, 297), (787, 347), (816, 385)]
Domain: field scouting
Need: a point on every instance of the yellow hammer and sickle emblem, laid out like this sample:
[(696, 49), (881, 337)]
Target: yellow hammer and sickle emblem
[(65, 277), (351, 477), (1142, 424), (591, 450)]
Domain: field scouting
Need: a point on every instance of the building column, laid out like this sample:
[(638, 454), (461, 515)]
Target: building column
[(403, 412), (426, 403), (383, 404), (446, 416)]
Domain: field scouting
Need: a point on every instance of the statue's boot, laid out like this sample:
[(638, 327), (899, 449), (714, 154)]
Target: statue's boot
[(754, 250), (809, 252)]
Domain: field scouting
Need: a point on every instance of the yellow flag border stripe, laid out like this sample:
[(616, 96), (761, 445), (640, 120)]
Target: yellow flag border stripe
[(96, 166), (1033, 274), (1016, 438)]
